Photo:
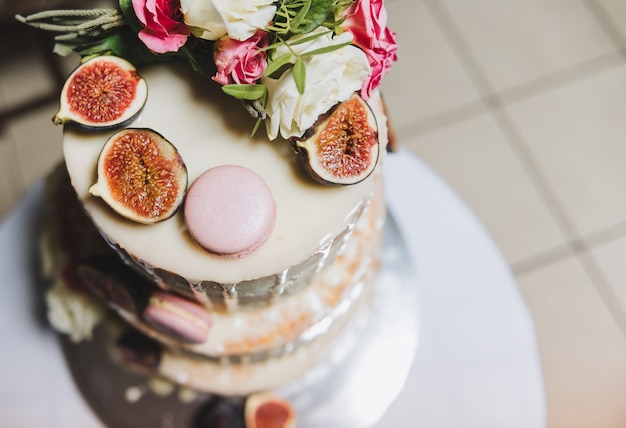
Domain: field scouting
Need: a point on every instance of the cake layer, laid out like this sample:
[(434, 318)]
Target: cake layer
[(301, 317), (256, 333), (210, 129), (287, 367)]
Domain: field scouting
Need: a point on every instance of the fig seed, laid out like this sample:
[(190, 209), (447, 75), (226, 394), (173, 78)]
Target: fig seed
[(141, 175)]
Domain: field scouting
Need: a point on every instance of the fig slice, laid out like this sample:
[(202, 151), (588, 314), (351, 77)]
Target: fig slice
[(103, 93), (266, 410), (342, 147), (141, 175)]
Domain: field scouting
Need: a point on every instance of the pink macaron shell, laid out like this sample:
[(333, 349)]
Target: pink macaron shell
[(177, 317), (230, 211)]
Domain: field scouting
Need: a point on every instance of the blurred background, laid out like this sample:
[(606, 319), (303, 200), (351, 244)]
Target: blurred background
[(519, 105)]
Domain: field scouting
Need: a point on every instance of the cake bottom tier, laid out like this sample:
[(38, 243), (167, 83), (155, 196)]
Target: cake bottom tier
[(246, 350), (351, 387)]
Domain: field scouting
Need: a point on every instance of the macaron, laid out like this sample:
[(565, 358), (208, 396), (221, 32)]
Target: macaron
[(177, 317), (230, 211)]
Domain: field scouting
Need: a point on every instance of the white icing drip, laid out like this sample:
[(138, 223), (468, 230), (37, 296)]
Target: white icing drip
[(230, 297)]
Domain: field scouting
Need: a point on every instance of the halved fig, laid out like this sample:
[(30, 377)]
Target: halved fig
[(342, 147), (141, 175), (265, 410), (103, 93)]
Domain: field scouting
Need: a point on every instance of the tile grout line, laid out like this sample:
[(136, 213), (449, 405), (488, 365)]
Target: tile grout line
[(603, 286), (440, 120), (496, 108), (496, 101), (570, 248), (560, 78), (605, 22), (579, 249), (542, 259), (516, 141)]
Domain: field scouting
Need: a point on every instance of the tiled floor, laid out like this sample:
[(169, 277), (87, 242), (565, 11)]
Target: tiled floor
[(521, 107)]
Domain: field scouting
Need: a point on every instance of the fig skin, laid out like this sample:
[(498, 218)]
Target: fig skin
[(141, 176), (266, 410), (103, 93), (342, 147)]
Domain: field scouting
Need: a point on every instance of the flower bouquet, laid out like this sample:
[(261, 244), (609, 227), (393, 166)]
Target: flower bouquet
[(289, 61)]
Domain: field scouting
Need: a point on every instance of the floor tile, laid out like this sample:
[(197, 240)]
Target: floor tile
[(427, 79), (11, 183), (517, 41), (475, 159), (614, 11), (38, 143), (25, 76), (609, 257), (583, 352), (576, 137)]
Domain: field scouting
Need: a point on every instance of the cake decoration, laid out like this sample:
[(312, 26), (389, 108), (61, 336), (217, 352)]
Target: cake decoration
[(230, 211), (141, 175), (105, 92), (177, 317), (348, 129), (288, 61), (265, 410), (251, 280)]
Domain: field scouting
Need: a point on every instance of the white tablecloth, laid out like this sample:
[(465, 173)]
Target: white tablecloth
[(477, 363)]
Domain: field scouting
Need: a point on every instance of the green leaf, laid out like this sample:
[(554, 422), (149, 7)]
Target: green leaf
[(257, 123), (125, 44), (297, 20), (307, 38), (94, 48), (63, 49), (317, 14), (276, 64), (245, 92), (299, 75), (126, 6), (326, 49), (194, 60)]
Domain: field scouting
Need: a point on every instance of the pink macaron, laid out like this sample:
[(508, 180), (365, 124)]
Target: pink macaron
[(177, 317), (230, 211)]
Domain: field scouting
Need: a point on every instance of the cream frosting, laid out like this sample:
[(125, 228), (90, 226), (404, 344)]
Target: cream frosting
[(190, 112)]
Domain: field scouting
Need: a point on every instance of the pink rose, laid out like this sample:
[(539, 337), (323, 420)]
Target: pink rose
[(164, 30), (367, 21), (240, 62)]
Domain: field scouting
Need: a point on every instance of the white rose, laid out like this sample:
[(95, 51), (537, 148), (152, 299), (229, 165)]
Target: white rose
[(330, 78), (203, 15), (238, 18)]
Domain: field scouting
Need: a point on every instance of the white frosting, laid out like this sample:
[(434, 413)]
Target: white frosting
[(72, 313), (211, 129)]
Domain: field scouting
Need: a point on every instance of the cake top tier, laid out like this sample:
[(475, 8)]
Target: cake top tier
[(262, 77), (209, 129)]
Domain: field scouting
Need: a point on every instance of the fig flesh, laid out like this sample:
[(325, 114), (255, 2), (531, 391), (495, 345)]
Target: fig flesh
[(103, 93), (342, 147), (265, 410), (141, 175)]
